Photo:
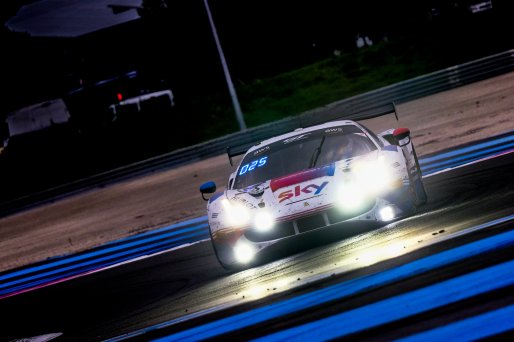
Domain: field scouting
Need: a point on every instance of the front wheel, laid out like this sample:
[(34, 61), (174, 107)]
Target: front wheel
[(215, 248), (419, 190), (417, 185)]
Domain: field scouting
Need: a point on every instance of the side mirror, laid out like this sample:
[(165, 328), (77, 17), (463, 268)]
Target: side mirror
[(207, 188), (401, 134)]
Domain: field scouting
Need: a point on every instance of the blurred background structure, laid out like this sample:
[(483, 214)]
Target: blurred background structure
[(104, 60)]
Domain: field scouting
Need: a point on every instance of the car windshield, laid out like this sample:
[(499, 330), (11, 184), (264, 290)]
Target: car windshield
[(301, 152)]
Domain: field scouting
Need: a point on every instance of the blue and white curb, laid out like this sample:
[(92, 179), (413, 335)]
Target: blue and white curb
[(58, 269), (341, 291), (62, 268)]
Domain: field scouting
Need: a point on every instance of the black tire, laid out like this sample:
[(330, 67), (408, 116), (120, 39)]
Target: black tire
[(419, 187), (225, 266)]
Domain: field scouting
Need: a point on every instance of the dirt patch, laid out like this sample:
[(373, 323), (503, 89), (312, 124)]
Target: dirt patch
[(84, 221)]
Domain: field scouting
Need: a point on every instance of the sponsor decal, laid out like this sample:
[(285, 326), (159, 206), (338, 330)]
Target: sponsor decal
[(298, 137), (261, 150), (299, 191), (334, 130), (243, 201)]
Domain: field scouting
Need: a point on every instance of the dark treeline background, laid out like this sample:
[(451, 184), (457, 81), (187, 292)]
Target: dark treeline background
[(172, 46)]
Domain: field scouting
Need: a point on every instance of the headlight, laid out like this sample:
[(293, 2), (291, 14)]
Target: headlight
[(367, 180), (236, 214), (263, 221), (351, 197), (374, 177), (387, 213), (244, 252)]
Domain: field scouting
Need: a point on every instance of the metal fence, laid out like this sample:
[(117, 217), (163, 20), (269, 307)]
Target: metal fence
[(354, 108), (358, 107)]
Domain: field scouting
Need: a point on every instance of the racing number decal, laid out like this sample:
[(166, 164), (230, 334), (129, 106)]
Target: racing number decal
[(250, 166), (298, 191)]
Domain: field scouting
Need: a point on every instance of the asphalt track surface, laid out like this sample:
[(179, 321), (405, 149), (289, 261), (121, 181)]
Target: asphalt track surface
[(147, 299)]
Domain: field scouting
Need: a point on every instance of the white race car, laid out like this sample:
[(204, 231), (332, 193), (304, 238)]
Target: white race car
[(327, 176)]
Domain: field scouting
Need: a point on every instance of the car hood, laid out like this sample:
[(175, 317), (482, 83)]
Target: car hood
[(288, 195)]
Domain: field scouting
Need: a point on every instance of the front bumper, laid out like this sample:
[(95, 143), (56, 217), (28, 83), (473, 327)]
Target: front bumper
[(329, 218)]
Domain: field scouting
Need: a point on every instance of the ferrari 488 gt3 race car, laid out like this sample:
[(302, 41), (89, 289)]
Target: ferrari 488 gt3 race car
[(328, 175)]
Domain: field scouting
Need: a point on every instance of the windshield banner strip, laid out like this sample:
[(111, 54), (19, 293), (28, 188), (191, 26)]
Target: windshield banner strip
[(302, 176)]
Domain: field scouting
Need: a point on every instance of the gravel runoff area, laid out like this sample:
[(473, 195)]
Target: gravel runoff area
[(153, 201)]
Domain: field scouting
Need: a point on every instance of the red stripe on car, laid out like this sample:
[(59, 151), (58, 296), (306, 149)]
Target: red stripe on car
[(302, 176)]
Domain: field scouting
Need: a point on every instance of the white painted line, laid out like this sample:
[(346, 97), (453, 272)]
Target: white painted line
[(79, 275), (142, 257), (398, 307), (375, 280)]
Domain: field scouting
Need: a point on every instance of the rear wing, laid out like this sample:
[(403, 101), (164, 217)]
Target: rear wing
[(374, 112), (233, 151), (368, 113)]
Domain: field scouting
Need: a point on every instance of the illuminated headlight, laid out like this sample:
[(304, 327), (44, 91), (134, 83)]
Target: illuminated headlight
[(373, 176), (351, 197), (386, 213), (244, 252), (236, 214), (263, 221)]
